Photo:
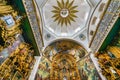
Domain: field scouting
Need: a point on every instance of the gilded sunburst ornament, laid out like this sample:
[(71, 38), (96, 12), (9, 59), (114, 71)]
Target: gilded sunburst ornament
[(64, 12)]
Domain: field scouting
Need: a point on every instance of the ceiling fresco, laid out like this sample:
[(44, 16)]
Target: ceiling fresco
[(65, 47), (64, 17)]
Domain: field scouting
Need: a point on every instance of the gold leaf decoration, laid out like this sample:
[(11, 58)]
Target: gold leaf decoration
[(64, 12)]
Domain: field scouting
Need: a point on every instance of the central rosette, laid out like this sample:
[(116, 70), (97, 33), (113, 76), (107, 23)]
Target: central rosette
[(64, 13)]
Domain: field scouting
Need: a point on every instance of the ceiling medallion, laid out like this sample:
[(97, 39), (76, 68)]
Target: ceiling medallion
[(64, 12)]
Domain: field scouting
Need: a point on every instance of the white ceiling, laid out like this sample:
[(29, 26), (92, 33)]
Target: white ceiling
[(57, 31), (69, 30)]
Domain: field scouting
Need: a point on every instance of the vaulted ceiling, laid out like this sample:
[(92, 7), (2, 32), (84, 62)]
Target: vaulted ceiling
[(66, 19)]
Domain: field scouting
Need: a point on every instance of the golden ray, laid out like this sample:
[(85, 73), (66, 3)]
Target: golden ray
[(73, 11), (60, 20), (72, 19), (64, 12), (57, 18), (70, 5), (55, 11), (59, 4), (63, 4), (56, 15), (57, 8), (68, 20), (72, 8), (72, 15), (67, 3)]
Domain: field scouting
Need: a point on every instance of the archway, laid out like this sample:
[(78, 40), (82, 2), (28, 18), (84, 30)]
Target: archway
[(65, 46), (63, 56)]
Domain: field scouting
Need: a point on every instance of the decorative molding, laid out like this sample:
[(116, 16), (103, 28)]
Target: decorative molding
[(106, 24), (34, 22)]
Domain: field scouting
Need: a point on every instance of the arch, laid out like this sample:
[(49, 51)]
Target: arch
[(65, 47), (67, 39)]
